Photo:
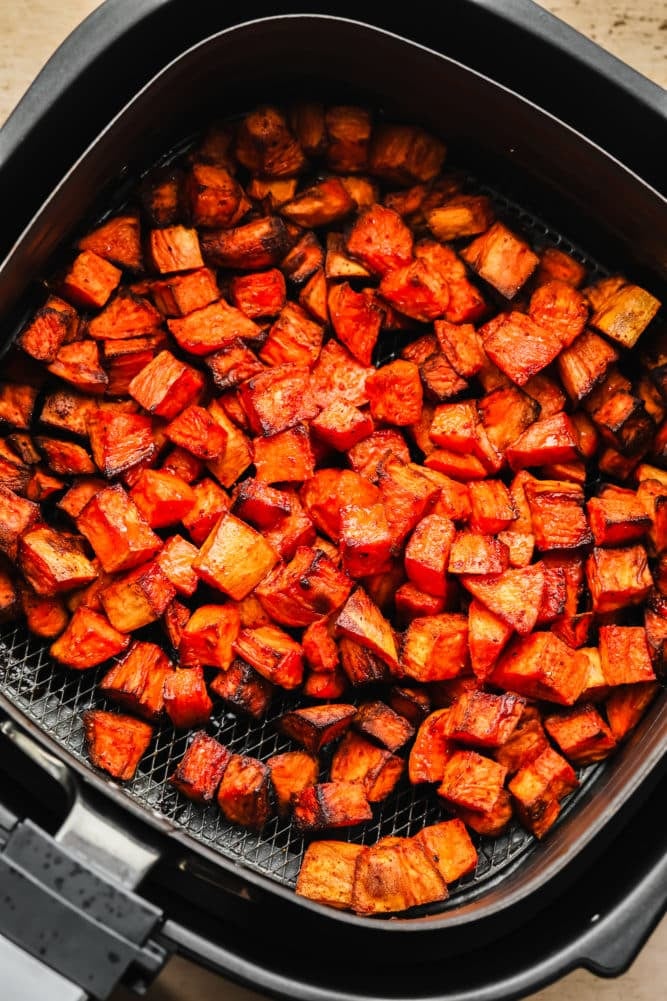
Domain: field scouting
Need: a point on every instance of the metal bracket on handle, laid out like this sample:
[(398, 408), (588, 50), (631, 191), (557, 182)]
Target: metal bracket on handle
[(67, 900)]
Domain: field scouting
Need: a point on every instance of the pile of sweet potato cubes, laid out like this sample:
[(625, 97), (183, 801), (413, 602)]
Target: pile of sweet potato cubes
[(209, 486)]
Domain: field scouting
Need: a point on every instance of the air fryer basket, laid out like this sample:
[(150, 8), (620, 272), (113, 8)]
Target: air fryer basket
[(548, 182)]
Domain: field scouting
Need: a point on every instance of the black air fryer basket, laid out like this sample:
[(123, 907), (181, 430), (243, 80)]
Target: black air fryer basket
[(134, 872)]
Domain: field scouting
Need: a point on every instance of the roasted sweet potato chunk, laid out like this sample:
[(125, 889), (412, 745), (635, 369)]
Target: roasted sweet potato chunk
[(166, 386), (316, 726), (394, 875), (243, 794), (116, 741), (88, 640), (328, 805), (539, 788), (435, 648), (327, 873), (137, 681), (234, 557), (117, 531), (383, 724), (243, 690), (273, 653), (200, 770), (137, 598), (186, 698), (291, 772), (502, 258), (357, 759), (541, 666), (209, 635)]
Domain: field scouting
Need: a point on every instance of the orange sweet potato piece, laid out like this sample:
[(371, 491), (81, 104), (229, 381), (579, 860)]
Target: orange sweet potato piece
[(435, 648), (285, 457), (323, 203), (137, 681), (625, 655), (395, 393), (625, 314), (174, 248), (525, 743), (208, 636), (261, 243), (485, 719), (394, 875), (186, 698), (293, 338), (557, 514), (89, 280), (138, 597), (120, 441), (616, 520), (327, 873), (166, 386), (337, 375), (356, 318), (116, 742), (117, 240), (380, 240), (117, 530), (471, 780), (278, 398), (313, 727), (244, 792), (243, 690), (291, 772), (210, 328), (54, 323), (265, 144), (17, 516), (558, 306), (502, 258), (538, 789), (200, 770), (626, 704), (356, 759), (581, 734), (559, 265), (273, 653), (259, 294), (52, 561), (382, 724), (214, 197), (541, 666), (362, 621), (210, 502), (162, 497), (618, 577), (431, 748), (328, 805), (427, 554), (234, 557), (477, 553), (342, 425), (301, 591), (178, 295), (88, 640)]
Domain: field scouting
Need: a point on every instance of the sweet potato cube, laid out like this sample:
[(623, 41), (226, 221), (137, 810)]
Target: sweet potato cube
[(303, 260), (244, 792), (449, 847), (375, 453), (210, 328), (541, 666), (52, 561), (243, 690), (485, 719), (116, 742), (210, 503), (356, 318), (581, 734), (525, 743), (261, 243), (323, 203), (492, 509), (48, 329), (291, 772), (166, 386), (174, 248), (126, 315), (625, 314), (273, 653), (551, 440), (301, 591), (278, 399), (285, 457), (200, 770), (79, 364), (175, 560), (17, 516), (117, 531), (328, 805), (117, 240), (440, 380), (328, 491), (418, 290), (260, 504), (88, 640), (124, 359), (427, 554), (618, 577), (488, 635), (462, 215), (178, 295), (265, 144), (384, 725), (348, 130), (138, 597), (558, 306), (365, 540), (14, 473), (342, 425), (502, 258), (361, 620), (327, 873), (471, 780), (407, 494), (519, 346), (17, 403), (557, 514), (313, 727), (357, 759), (294, 338), (435, 648), (65, 457), (380, 240), (89, 280), (313, 296), (584, 364), (186, 698), (68, 411), (394, 875), (411, 702), (234, 557), (431, 748), (208, 636), (136, 682), (259, 294), (232, 365), (195, 430), (538, 789), (616, 520), (461, 345), (395, 393), (360, 665), (625, 655), (557, 264), (626, 704), (120, 441), (214, 197), (237, 455), (477, 553), (162, 497), (404, 154), (337, 375)]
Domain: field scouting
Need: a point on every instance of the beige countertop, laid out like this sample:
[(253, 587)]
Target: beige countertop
[(636, 32)]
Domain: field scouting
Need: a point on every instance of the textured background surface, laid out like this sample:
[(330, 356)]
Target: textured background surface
[(635, 32)]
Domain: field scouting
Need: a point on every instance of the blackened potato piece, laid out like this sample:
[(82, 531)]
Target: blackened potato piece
[(316, 726)]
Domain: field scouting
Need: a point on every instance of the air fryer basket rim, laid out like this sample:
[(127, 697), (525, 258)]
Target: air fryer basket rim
[(642, 768)]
